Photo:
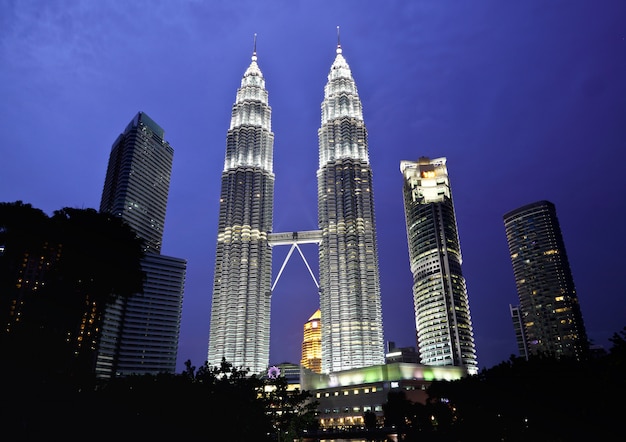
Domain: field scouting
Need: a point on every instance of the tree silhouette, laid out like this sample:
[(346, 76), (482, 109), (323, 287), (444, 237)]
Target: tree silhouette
[(58, 274), (543, 398), (291, 411)]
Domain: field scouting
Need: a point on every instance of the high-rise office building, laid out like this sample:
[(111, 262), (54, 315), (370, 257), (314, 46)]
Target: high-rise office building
[(240, 309), (312, 343), (350, 302), (550, 311), (442, 315), (137, 182), (140, 334)]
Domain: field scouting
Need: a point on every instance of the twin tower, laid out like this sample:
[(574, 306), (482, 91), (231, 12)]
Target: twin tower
[(349, 285)]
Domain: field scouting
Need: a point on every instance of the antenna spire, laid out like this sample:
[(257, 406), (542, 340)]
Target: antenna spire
[(338, 42), (254, 50)]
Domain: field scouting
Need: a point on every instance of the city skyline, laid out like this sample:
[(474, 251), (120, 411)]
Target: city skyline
[(525, 100)]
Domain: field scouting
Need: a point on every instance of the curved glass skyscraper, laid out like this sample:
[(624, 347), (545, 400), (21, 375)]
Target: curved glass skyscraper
[(240, 310), (352, 329), (552, 322), (442, 317)]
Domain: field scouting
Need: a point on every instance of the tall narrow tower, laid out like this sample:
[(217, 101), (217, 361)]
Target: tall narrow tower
[(549, 309), (442, 317), (140, 334), (312, 343), (352, 332), (240, 310)]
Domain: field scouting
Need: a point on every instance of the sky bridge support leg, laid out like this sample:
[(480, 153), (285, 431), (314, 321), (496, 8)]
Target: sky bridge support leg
[(294, 245)]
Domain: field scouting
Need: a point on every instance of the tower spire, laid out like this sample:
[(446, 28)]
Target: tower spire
[(338, 42), (254, 49)]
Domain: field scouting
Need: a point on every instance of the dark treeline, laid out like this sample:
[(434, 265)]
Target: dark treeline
[(213, 403), (542, 399), (58, 273)]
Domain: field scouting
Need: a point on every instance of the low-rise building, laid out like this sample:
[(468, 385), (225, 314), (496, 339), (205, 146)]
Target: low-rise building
[(344, 397)]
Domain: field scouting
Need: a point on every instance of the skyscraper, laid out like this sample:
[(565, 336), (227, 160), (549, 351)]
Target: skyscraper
[(312, 343), (137, 182), (140, 334), (352, 332), (550, 312), (240, 310), (442, 316), (518, 327)]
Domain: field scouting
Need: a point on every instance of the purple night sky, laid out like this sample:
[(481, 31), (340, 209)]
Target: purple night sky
[(527, 100)]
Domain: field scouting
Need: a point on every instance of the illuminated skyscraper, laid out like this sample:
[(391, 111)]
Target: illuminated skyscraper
[(240, 310), (312, 343), (140, 334), (442, 316), (549, 310), (352, 332)]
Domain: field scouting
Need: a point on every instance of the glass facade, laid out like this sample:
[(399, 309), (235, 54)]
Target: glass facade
[(442, 316), (550, 312)]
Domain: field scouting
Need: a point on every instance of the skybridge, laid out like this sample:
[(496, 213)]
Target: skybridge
[(294, 239)]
